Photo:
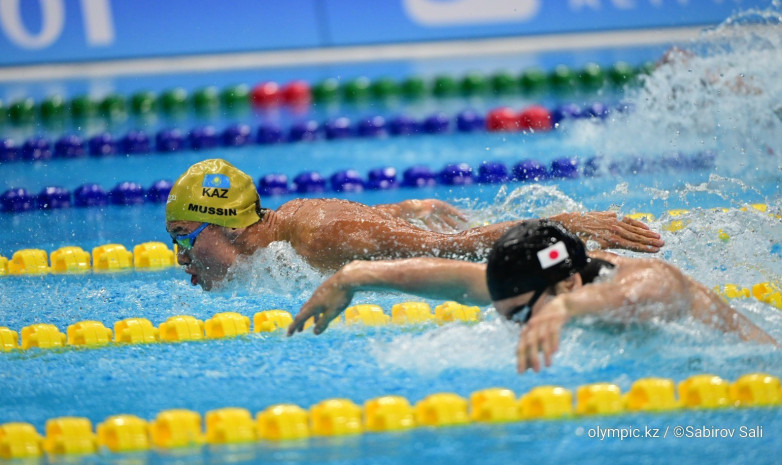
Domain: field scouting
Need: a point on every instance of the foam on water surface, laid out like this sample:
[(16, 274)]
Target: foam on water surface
[(721, 92)]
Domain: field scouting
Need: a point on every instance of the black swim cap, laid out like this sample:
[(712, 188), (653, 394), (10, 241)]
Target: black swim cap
[(532, 256)]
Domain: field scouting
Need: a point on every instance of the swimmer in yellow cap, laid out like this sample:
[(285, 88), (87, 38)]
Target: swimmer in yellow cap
[(214, 215)]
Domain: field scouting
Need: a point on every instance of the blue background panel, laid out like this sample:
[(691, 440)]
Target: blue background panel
[(46, 31), (146, 28), (412, 20)]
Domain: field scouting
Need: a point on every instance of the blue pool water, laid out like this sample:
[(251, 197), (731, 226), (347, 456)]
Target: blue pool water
[(361, 363)]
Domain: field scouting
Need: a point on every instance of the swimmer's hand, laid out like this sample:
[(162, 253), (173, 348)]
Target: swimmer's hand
[(541, 334), (611, 233), (326, 303), (437, 215)]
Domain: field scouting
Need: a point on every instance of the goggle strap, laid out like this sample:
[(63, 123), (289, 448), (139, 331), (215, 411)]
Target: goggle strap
[(523, 319)]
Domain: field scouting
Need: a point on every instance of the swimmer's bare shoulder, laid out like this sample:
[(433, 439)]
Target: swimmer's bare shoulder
[(666, 282), (331, 232), (325, 217), (289, 219), (303, 222), (658, 281), (648, 270)]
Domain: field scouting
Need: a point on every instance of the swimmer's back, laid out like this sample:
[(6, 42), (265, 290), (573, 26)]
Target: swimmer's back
[(331, 232)]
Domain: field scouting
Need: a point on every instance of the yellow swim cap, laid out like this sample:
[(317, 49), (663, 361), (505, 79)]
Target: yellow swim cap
[(214, 191)]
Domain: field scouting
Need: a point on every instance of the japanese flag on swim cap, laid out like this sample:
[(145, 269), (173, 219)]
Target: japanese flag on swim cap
[(214, 191), (532, 256)]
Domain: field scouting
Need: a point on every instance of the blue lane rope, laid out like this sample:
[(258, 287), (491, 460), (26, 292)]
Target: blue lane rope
[(127, 193)]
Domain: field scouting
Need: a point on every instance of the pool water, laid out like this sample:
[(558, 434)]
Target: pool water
[(361, 363)]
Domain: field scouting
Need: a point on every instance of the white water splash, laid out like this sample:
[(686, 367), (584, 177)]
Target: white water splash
[(276, 269), (488, 344), (525, 201), (587, 345), (718, 247), (721, 92), (733, 191)]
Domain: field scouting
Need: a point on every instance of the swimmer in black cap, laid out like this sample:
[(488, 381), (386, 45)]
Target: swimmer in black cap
[(534, 257), (539, 275)]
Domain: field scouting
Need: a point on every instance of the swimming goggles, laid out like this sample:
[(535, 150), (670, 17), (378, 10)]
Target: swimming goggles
[(522, 313), (187, 241)]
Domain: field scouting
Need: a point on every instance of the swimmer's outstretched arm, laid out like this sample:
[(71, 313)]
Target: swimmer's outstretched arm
[(710, 309), (602, 227), (609, 231), (605, 228), (435, 278), (339, 242)]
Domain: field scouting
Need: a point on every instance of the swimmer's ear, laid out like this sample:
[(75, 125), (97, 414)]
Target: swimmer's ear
[(242, 238), (233, 233), (568, 284)]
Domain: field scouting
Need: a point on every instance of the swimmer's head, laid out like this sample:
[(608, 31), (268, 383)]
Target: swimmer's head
[(216, 192), (532, 256)]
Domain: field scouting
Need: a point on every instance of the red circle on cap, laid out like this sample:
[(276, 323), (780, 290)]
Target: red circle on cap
[(553, 255)]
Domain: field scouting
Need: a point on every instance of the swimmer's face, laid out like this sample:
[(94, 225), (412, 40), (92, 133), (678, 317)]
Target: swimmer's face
[(506, 307), (212, 254)]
